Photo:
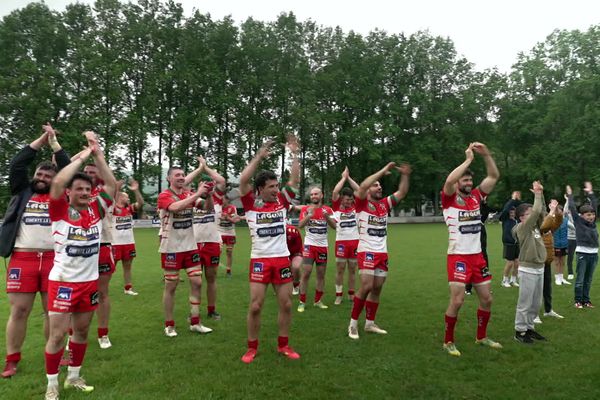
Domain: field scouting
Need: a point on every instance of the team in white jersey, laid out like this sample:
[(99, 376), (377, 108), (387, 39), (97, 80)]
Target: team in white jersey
[(227, 220), (465, 263), (346, 235), (372, 210), (72, 289)]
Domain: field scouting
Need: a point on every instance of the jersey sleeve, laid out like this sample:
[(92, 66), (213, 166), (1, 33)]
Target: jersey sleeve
[(218, 197), (286, 195), (165, 199), (248, 201), (58, 208), (360, 204), (390, 202), (302, 213), (447, 200), (105, 201), (335, 204)]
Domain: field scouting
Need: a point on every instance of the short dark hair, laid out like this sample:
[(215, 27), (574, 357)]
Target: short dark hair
[(522, 209), (347, 192), (262, 177), (47, 166), (586, 208), (468, 172), (82, 177), (173, 168)]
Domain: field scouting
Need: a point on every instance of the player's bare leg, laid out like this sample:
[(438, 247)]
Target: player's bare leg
[(320, 286), (229, 258), (483, 315), (210, 276), (127, 279), (457, 299), (372, 304), (284, 319), (103, 311), (296, 273), (366, 285), (306, 272), (340, 266), (257, 299), (16, 329), (352, 266), (195, 278), (171, 282)]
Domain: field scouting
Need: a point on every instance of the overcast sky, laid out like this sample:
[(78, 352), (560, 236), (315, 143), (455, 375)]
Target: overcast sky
[(487, 33)]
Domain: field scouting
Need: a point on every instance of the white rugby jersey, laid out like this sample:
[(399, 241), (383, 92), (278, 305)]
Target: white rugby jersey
[(206, 222), (106, 232), (35, 228), (76, 237), (315, 230), (122, 225), (176, 229), (346, 221), (372, 223), (463, 218), (227, 227), (267, 222)]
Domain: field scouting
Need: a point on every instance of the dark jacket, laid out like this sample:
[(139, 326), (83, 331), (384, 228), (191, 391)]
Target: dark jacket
[(20, 188), (586, 233), (508, 223)]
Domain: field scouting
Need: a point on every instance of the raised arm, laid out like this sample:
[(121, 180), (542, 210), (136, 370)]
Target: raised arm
[(335, 195), (18, 172), (572, 208), (458, 172), (189, 178), (110, 183), (139, 199), (190, 200), (218, 178), (248, 172), (310, 210), (489, 182), (405, 171), (363, 189), (294, 148), (590, 196), (538, 206), (553, 219), (61, 180)]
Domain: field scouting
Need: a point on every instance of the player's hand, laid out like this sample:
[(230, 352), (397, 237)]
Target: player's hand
[(569, 190), (404, 169), (310, 211), (201, 161), (202, 189), (536, 187), (133, 184), (553, 204), (481, 149), (469, 155), (266, 149), (292, 143), (387, 169), (345, 173), (587, 187)]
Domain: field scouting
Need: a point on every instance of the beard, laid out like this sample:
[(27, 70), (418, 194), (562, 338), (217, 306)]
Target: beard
[(40, 187), (466, 190)]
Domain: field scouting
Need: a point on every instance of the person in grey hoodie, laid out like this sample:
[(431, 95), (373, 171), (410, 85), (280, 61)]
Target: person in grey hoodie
[(532, 255)]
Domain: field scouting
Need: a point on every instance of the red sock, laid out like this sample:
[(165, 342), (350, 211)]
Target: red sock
[(77, 353), (351, 292), (339, 294), (282, 341), (128, 286), (318, 296), (483, 317), (449, 333), (303, 298), (228, 270), (357, 307), (102, 332), (14, 357), (253, 344), (53, 361), (371, 310), (194, 320), (210, 309), (70, 331), (169, 323), (296, 284)]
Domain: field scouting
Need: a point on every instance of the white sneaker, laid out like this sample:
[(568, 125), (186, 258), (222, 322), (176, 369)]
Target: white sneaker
[(51, 393), (570, 277), (565, 282), (338, 300), (557, 281), (553, 314), (373, 328), (514, 283), (353, 332), (78, 384), (104, 342), (319, 304), (200, 328), (130, 292), (537, 320), (505, 284), (296, 291), (170, 331)]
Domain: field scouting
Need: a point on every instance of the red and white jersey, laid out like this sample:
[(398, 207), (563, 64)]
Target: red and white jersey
[(35, 229), (294, 239), (347, 222), (463, 219), (315, 230), (176, 227), (122, 225), (227, 227), (106, 232), (206, 229), (266, 222), (372, 223), (76, 237)]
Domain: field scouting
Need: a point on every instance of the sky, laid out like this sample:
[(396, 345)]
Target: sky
[(487, 33)]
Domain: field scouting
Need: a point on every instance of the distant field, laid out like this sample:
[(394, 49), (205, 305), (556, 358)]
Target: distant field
[(408, 363)]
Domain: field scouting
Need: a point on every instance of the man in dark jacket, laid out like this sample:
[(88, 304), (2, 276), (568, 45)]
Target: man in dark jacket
[(510, 246), (26, 234)]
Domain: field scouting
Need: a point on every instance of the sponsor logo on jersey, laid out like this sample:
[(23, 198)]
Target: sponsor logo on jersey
[(472, 215), (285, 273), (322, 257), (95, 298), (270, 232), (377, 221), (123, 220), (468, 229), (33, 207), (64, 293), (269, 217), (82, 251), (204, 219), (185, 213), (83, 235), (214, 260), (347, 224), (377, 232), (369, 257), (31, 220), (124, 227), (371, 207), (171, 257), (341, 248), (318, 231), (460, 267), (182, 224), (14, 274), (103, 268), (257, 267), (347, 215)]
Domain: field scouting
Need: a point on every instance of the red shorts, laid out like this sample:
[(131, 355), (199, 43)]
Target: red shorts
[(28, 271), (372, 263), (316, 253), (228, 240), (275, 270), (182, 260), (124, 252), (106, 261), (210, 254), (468, 268), (346, 249), (67, 297)]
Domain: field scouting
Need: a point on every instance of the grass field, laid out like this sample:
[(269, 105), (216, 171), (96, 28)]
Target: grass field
[(408, 363)]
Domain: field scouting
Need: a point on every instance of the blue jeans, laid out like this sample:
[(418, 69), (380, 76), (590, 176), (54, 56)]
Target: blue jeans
[(586, 264)]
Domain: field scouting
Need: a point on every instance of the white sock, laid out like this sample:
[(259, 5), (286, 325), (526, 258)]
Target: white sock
[(562, 277), (52, 380), (512, 279), (353, 323), (558, 278), (368, 322), (73, 372), (339, 288)]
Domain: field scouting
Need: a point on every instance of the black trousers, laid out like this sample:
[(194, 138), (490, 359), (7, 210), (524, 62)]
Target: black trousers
[(547, 287)]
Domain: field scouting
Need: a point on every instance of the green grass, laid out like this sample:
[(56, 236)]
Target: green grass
[(408, 363)]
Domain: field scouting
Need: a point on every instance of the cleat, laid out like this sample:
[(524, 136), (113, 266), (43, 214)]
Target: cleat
[(588, 305), (301, 307), (130, 292), (79, 384), (104, 342), (353, 332), (288, 352), (248, 357), (534, 335), (537, 320), (523, 337), (578, 305), (553, 314), (295, 291), (488, 342), (170, 331), (214, 315), (570, 277), (51, 393), (373, 328), (338, 300), (468, 292), (200, 328), (10, 369), (451, 349), (319, 304)]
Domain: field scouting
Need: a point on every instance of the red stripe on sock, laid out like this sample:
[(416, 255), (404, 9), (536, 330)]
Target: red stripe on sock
[(357, 307)]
